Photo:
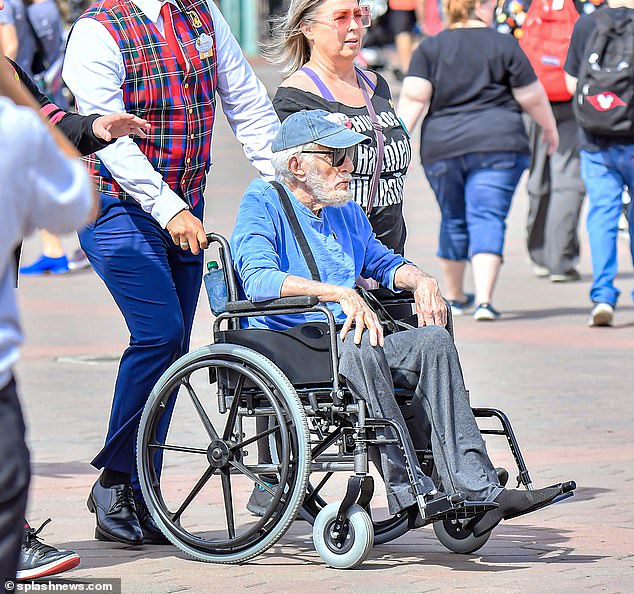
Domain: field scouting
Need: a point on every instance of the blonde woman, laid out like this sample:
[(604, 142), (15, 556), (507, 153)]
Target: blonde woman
[(316, 44), (475, 82)]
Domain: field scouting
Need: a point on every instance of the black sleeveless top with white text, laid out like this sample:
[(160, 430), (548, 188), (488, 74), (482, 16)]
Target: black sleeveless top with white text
[(387, 214)]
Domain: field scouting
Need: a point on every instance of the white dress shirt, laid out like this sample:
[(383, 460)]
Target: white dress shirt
[(95, 73), (39, 187)]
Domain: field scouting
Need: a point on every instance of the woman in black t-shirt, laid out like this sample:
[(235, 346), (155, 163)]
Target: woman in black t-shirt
[(316, 45), (474, 149)]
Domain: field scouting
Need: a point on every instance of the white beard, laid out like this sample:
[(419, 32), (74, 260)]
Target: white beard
[(324, 194)]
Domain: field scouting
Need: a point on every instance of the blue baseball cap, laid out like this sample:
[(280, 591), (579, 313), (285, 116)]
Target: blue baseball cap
[(319, 126)]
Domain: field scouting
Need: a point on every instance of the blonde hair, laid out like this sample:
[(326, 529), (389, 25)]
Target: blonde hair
[(457, 11), (289, 49)]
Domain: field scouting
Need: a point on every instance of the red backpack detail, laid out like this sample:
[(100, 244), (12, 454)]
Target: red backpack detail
[(545, 39)]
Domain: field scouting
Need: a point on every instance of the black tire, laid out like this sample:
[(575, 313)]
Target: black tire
[(454, 536), (257, 384)]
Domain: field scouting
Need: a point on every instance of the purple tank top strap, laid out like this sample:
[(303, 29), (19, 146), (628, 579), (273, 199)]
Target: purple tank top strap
[(366, 78), (323, 89)]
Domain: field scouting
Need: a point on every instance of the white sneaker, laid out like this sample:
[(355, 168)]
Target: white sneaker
[(540, 271), (602, 315)]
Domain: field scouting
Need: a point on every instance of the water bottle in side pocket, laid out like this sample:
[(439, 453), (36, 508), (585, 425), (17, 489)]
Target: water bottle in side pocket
[(216, 287)]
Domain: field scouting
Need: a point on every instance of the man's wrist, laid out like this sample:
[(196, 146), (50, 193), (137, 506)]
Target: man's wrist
[(335, 293), (167, 206)]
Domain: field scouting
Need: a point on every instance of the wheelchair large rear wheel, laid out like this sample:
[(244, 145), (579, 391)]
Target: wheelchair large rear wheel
[(197, 457)]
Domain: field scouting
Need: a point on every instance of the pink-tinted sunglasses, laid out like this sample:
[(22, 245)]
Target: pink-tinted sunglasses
[(341, 17)]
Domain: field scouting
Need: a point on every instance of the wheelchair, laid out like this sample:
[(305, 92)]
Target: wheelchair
[(215, 411)]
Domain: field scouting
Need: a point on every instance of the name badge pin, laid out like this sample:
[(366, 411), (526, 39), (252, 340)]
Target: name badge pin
[(205, 46)]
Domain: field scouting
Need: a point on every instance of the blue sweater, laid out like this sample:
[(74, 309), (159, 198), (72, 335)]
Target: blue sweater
[(265, 250)]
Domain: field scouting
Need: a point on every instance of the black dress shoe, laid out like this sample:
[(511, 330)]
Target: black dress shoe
[(151, 532), (116, 514)]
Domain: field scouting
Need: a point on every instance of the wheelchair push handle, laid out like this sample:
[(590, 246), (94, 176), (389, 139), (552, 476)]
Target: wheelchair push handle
[(224, 253)]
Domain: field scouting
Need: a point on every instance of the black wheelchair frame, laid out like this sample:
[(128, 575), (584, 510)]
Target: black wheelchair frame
[(303, 423)]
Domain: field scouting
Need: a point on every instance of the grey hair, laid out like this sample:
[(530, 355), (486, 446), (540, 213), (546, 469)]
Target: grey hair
[(289, 48), (280, 160)]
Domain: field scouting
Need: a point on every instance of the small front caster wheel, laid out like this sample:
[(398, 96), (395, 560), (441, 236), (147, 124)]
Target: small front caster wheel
[(356, 544)]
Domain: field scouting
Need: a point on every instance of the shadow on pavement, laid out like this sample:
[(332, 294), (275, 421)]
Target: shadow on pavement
[(63, 469), (589, 493)]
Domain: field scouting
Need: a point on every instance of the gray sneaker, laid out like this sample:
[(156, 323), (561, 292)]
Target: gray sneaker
[(260, 500)]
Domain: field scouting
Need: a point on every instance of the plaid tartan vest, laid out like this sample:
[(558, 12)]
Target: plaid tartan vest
[(179, 105)]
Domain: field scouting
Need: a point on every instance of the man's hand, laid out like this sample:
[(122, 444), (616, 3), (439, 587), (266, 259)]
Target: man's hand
[(115, 125), (187, 232), (431, 308), (360, 314)]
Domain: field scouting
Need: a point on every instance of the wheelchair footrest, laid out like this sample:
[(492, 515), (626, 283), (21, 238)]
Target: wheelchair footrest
[(455, 507), (566, 490)]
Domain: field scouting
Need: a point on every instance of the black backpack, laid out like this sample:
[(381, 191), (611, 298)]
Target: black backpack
[(604, 99)]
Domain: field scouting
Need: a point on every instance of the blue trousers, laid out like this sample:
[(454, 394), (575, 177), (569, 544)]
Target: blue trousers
[(605, 174), (155, 284), (474, 192)]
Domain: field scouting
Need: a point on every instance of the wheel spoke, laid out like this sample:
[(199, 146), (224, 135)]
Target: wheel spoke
[(233, 411), (202, 481), (175, 448), (211, 432), (249, 441), (226, 491), (254, 477)]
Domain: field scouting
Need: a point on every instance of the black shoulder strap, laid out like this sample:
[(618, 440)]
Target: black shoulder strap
[(297, 230)]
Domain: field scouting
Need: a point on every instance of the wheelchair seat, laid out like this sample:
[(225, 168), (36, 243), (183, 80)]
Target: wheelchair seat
[(302, 352)]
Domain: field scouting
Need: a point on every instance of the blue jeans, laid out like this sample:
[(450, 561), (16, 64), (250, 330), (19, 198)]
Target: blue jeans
[(605, 174), (474, 192)]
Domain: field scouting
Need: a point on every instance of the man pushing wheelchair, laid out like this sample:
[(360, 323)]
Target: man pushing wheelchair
[(308, 238)]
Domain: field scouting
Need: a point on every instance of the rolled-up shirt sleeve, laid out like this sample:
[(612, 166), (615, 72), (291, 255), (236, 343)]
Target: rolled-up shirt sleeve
[(245, 101), (95, 73), (253, 246)]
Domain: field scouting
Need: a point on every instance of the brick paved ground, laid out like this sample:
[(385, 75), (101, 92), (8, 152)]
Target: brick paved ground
[(567, 388)]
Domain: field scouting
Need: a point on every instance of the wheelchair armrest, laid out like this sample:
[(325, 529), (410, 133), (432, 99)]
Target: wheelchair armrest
[(301, 302), (384, 295)]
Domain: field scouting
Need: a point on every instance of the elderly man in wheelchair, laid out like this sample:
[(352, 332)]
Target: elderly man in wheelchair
[(298, 248)]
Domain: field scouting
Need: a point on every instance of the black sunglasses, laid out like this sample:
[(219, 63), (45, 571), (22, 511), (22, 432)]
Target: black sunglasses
[(338, 155)]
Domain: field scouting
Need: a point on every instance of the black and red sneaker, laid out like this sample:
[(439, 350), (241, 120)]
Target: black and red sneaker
[(39, 560)]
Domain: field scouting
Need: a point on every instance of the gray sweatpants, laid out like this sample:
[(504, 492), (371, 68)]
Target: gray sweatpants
[(556, 192), (425, 361)]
